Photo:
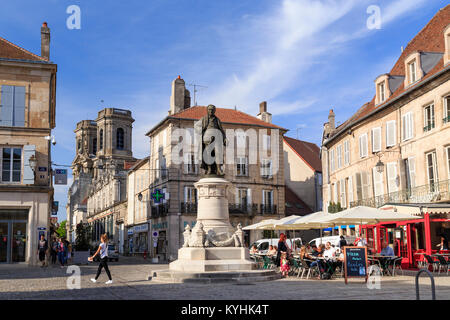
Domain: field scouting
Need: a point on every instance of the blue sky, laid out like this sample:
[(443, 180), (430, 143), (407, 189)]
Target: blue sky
[(301, 56)]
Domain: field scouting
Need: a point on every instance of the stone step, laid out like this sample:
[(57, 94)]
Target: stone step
[(216, 277)]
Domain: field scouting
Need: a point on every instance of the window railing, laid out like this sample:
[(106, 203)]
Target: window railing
[(237, 208), (268, 209), (434, 192), (446, 120), (428, 127), (189, 207)]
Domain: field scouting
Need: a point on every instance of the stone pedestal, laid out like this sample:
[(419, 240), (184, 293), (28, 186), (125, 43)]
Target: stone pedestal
[(213, 251)]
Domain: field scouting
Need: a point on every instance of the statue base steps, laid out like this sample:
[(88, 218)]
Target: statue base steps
[(212, 259)]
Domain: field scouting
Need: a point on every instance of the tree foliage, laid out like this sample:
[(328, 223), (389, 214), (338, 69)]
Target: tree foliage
[(61, 231), (83, 235), (334, 207)]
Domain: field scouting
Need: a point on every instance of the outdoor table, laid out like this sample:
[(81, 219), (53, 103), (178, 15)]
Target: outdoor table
[(383, 260)]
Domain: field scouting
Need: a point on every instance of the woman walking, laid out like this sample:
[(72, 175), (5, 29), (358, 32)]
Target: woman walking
[(282, 247), (62, 252), (103, 250), (42, 250)]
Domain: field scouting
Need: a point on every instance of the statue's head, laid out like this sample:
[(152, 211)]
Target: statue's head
[(211, 110)]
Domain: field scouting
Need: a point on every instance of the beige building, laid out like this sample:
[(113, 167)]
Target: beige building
[(303, 171), (396, 148), (27, 116), (257, 190), (138, 240), (98, 195)]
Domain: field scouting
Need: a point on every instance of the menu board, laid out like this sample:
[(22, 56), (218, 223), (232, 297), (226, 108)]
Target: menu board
[(355, 262)]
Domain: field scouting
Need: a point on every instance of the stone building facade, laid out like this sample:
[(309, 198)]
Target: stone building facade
[(257, 190), (27, 117), (396, 148), (98, 193)]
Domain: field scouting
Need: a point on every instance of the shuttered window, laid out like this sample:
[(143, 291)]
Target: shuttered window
[(190, 194), (350, 190), (332, 163), (407, 126), (390, 133), (11, 160), (343, 198), (393, 180), (428, 118), (410, 168), (366, 190), (376, 139), (339, 156), (363, 145), (242, 166), (12, 106), (448, 161), (346, 153), (359, 193), (377, 182), (432, 170)]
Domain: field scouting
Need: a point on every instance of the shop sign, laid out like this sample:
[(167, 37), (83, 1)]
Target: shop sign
[(187, 222), (130, 231), (141, 228), (161, 225)]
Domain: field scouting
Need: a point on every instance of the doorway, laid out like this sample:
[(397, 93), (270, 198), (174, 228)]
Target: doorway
[(13, 237)]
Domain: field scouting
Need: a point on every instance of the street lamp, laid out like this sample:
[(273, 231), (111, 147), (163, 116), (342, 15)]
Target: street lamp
[(380, 166), (33, 163)]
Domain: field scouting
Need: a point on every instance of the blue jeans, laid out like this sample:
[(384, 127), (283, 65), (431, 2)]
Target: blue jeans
[(62, 258)]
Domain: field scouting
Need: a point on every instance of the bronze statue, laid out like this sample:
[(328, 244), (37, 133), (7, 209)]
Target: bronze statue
[(210, 124)]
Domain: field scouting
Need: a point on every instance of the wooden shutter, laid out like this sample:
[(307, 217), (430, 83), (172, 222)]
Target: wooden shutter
[(332, 160), (377, 182), (249, 197), (28, 174), (365, 179), (359, 194), (7, 106), (376, 139), (346, 153), (390, 134), (393, 184), (350, 190), (339, 156), (19, 106)]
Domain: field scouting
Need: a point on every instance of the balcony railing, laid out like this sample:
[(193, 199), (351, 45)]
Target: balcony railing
[(434, 192), (237, 208), (189, 207), (428, 127), (268, 209)]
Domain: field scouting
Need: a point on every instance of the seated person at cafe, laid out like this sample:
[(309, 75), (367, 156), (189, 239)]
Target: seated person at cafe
[(386, 250), (329, 252), (317, 253), (272, 251), (253, 250)]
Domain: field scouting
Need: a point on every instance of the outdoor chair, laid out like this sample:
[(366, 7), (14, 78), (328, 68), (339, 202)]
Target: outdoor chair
[(443, 264), (268, 263), (259, 261), (295, 266), (397, 264), (430, 261), (305, 268)]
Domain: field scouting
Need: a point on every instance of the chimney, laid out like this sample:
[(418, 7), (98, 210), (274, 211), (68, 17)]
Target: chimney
[(263, 114), (45, 41), (180, 98), (331, 118)]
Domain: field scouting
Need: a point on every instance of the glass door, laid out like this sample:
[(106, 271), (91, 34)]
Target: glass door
[(4, 237), (19, 238)]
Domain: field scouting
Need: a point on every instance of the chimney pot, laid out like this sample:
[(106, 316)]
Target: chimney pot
[(45, 41), (263, 107)]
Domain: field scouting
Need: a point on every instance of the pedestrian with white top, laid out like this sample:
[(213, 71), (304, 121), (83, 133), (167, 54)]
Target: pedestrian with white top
[(103, 250)]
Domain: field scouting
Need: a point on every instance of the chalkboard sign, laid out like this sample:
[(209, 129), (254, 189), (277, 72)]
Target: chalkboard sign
[(355, 262)]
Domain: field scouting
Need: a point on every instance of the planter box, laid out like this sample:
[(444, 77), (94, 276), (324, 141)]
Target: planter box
[(81, 257)]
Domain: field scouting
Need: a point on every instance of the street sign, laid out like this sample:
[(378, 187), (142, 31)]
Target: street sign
[(61, 176), (55, 208), (157, 196), (155, 234)]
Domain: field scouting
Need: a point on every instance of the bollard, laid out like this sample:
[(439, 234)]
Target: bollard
[(433, 293)]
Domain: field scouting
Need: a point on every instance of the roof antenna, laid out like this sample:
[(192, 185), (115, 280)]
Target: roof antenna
[(195, 91)]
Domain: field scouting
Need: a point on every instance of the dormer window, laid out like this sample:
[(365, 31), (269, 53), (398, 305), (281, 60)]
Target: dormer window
[(381, 92), (413, 68), (447, 45), (412, 72)]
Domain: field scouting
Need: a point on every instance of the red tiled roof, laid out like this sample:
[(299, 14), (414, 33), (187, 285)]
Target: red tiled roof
[(309, 152), (9, 50), (225, 115), (295, 204), (128, 164), (429, 39)]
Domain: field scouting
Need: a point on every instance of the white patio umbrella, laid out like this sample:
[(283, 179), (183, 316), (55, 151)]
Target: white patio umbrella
[(303, 222), (255, 226), (362, 215)]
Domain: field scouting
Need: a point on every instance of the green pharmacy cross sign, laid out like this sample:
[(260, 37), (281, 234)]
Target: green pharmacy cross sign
[(157, 196)]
